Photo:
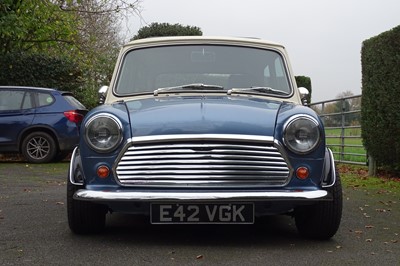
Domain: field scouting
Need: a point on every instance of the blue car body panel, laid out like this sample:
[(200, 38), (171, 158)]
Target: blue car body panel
[(201, 115), (11, 124)]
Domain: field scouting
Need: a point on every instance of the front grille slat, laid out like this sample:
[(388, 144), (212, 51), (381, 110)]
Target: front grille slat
[(184, 172), (184, 169), (201, 157), (202, 164), (187, 151), (148, 163)]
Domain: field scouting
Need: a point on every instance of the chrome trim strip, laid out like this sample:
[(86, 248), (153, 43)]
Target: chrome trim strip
[(333, 167), (182, 41), (196, 137), (91, 195), (71, 168), (282, 151)]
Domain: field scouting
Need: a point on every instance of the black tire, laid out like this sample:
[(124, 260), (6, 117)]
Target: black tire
[(84, 217), (61, 156), (321, 220), (39, 147)]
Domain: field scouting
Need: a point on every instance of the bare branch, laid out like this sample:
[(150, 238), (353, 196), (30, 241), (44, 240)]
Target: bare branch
[(115, 6)]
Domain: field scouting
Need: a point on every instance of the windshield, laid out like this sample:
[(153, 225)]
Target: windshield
[(149, 69)]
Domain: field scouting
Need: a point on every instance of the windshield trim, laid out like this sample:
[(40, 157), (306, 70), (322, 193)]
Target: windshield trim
[(123, 55)]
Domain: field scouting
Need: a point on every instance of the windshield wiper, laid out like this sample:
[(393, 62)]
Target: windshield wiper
[(193, 86), (257, 89)]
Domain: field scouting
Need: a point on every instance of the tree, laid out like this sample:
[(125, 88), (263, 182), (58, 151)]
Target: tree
[(341, 106), (166, 29), (347, 105), (83, 32), (37, 44), (35, 25), (98, 40)]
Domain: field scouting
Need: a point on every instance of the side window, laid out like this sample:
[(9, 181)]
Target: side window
[(11, 100), (27, 102), (45, 99)]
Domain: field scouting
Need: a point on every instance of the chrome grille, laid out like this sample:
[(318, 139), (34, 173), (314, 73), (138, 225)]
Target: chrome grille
[(202, 164)]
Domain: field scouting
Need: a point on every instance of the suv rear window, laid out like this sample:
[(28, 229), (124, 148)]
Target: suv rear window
[(74, 102)]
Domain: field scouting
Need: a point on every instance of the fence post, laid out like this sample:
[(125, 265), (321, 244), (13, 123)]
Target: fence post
[(371, 166), (342, 133)]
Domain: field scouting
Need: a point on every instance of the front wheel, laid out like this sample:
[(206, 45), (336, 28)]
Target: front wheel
[(39, 147), (84, 217), (321, 220)]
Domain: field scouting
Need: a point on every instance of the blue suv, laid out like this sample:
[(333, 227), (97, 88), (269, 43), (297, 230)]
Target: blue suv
[(41, 123)]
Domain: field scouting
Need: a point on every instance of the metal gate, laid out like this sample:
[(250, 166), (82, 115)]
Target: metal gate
[(342, 120)]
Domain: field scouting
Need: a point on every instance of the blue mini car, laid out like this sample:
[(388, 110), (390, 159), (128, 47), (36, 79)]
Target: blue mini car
[(42, 124), (199, 130)]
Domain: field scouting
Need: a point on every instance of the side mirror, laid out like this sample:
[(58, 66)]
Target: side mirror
[(303, 95), (102, 94)]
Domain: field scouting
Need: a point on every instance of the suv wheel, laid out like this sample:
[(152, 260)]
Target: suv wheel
[(84, 217), (321, 220), (39, 147)]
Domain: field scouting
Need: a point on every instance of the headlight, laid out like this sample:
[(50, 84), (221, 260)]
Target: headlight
[(301, 134), (103, 132)]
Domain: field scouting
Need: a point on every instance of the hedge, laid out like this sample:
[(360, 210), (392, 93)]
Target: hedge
[(39, 70), (380, 116)]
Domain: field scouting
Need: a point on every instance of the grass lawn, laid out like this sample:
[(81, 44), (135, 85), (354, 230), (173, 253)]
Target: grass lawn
[(352, 149), (355, 176)]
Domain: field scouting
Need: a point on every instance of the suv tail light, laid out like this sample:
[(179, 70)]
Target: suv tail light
[(73, 116)]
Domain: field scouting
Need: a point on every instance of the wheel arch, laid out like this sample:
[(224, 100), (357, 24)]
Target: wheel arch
[(43, 128)]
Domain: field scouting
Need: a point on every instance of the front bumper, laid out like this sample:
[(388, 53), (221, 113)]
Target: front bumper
[(254, 196)]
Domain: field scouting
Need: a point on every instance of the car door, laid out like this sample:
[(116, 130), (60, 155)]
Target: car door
[(16, 113)]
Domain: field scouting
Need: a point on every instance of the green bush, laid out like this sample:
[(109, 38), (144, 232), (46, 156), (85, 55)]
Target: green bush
[(303, 81), (166, 29), (39, 70), (380, 116)]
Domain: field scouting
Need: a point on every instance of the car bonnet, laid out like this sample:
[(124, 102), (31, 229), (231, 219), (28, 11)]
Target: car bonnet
[(203, 115)]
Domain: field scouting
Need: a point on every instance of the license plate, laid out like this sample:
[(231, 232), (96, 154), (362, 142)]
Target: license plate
[(203, 213)]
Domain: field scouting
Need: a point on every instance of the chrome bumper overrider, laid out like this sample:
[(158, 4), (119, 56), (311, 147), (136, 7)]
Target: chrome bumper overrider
[(92, 195)]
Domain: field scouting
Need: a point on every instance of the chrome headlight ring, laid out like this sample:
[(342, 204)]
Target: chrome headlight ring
[(103, 132), (301, 134)]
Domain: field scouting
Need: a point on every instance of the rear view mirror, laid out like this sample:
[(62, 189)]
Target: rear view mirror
[(202, 56), (102, 94), (304, 95)]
